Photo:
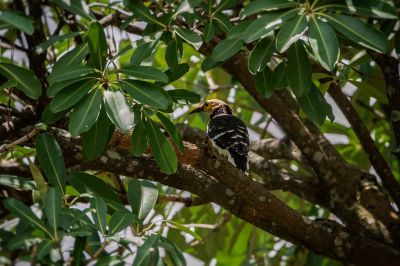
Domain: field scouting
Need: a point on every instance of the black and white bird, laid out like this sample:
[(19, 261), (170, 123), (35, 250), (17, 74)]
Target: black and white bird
[(228, 134)]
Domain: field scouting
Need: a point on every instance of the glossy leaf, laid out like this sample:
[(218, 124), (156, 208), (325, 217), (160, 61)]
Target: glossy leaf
[(86, 183), (62, 74), (26, 80), (143, 251), (186, 6), (261, 55), (172, 55), (143, 12), (178, 95), (18, 21), (172, 252), (226, 49), (314, 105), (56, 87), (290, 32), (209, 31), (223, 22), (85, 113), (144, 72), (95, 140), (189, 36), (97, 44), (143, 51), (17, 208), (263, 82), (172, 130), (99, 212), (121, 220), (146, 93), (71, 95), (142, 196), (37, 176), (78, 252), (118, 110), (279, 77), (139, 139), (52, 209), (58, 38), (75, 7), (238, 31), (180, 70), (162, 150), (299, 69), (262, 26), (51, 160), (185, 229), (359, 32), (43, 249), (73, 57), (262, 5), (48, 117), (324, 43)]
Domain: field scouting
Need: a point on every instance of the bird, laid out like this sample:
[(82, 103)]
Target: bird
[(228, 133)]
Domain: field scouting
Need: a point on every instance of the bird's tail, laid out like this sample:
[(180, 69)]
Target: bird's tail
[(240, 161)]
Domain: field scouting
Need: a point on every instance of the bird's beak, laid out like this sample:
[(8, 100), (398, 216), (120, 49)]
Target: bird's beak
[(198, 109)]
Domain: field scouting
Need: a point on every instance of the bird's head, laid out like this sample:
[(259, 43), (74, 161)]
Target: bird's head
[(209, 106)]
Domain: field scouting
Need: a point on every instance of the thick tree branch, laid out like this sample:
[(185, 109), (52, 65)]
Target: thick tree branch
[(223, 184), (390, 69), (375, 157)]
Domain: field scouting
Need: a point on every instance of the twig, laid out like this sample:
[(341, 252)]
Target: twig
[(20, 140)]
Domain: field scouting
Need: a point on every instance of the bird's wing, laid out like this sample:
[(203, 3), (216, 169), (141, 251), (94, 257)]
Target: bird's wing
[(229, 132)]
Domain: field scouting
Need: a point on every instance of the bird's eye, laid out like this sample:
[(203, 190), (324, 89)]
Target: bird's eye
[(206, 104)]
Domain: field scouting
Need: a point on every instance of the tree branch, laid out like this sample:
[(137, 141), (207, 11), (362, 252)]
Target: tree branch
[(375, 157)]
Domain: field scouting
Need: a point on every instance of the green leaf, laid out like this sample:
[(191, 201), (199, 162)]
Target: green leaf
[(359, 32), (186, 6), (238, 31), (121, 220), (266, 24), (190, 37), (226, 49), (223, 22), (143, 12), (279, 77), (41, 183), (172, 130), (324, 43), (143, 250), (262, 5), (56, 87), (73, 57), (172, 55), (71, 95), (61, 74), (299, 69), (209, 31), (209, 63), (85, 183), (99, 213), (78, 252), (371, 90), (85, 113), (18, 21), (314, 105), (261, 54), (75, 7), (48, 117), (146, 93), (290, 32), (115, 260), (142, 196), (17, 182), (186, 230), (178, 95), (17, 208), (51, 160), (139, 139), (58, 38), (263, 82), (143, 51), (144, 72), (173, 252), (118, 110), (162, 150), (374, 8), (52, 208), (97, 44), (178, 72), (224, 5), (8, 84), (26, 80), (43, 249), (95, 140)]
